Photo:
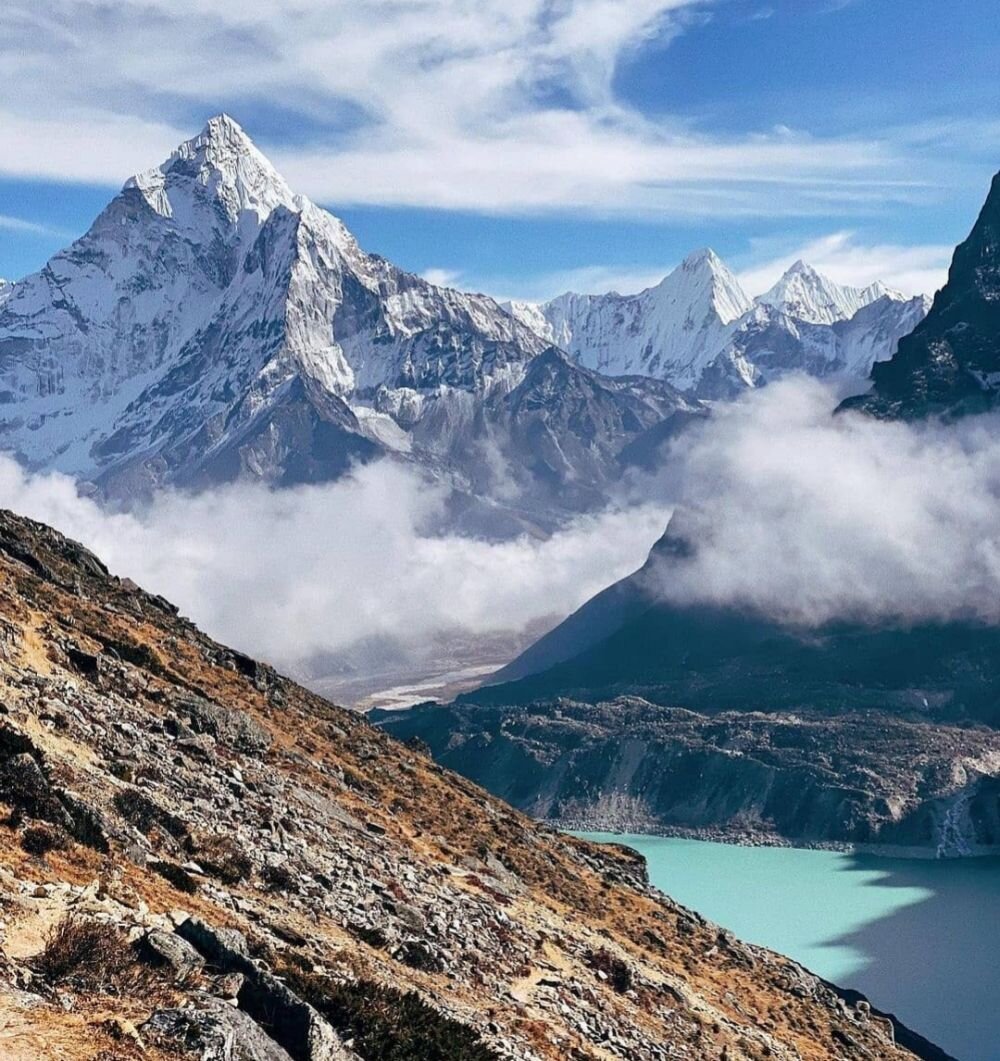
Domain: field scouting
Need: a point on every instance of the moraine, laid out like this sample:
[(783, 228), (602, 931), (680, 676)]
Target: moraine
[(857, 920)]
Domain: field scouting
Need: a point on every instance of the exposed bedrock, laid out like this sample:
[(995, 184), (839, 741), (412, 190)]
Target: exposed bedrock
[(864, 778)]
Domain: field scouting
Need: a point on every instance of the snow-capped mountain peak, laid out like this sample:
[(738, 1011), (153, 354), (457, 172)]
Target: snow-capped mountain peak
[(670, 331), (224, 162), (706, 276), (212, 323), (809, 296)]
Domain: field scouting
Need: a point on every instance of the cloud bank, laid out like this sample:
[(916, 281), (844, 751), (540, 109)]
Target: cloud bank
[(293, 574), (798, 514), (811, 518)]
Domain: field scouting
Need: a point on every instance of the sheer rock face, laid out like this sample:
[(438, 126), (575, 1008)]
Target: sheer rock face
[(950, 364), (631, 766), (310, 865)]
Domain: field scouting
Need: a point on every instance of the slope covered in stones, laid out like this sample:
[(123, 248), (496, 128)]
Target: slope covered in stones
[(239, 840)]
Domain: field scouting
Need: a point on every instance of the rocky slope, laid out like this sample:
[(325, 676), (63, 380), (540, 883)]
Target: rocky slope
[(213, 325), (950, 364), (203, 860), (631, 766), (700, 331)]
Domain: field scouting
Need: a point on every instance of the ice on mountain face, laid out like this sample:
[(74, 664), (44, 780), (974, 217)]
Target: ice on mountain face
[(224, 161), (808, 296), (671, 331), (532, 316), (769, 344)]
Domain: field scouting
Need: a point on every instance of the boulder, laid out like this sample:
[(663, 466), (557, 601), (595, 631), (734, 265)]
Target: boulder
[(217, 1031), (170, 951), (295, 1025)]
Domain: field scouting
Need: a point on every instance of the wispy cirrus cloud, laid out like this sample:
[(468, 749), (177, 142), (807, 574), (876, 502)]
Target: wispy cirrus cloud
[(20, 224), (848, 259), (493, 105)]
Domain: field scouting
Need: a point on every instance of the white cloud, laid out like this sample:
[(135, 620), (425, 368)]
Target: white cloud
[(843, 257), (443, 277), (292, 574), (811, 517), (81, 144), (451, 103)]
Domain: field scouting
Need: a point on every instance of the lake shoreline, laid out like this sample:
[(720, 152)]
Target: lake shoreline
[(741, 838), (917, 937)]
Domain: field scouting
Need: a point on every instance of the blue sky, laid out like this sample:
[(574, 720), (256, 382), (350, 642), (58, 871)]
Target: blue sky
[(528, 146)]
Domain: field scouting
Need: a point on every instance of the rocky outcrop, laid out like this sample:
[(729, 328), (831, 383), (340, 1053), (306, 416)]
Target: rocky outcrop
[(334, 890), (631, 766), (950, 364), (213, 1031)]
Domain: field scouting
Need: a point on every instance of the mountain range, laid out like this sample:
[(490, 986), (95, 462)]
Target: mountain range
[(700, 331), (214, 326)]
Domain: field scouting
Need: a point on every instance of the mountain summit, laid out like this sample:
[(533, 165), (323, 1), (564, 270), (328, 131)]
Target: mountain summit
[(950, 364), (807, 295), (224, 161)]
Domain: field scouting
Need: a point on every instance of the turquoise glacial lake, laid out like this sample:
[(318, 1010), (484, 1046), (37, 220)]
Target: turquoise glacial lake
[(919, 937)]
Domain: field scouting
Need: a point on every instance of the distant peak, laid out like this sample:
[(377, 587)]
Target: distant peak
[(806, 294), (702, 257)]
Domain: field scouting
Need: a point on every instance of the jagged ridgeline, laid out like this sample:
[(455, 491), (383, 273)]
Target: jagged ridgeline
[(201, 859)]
